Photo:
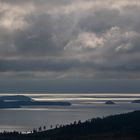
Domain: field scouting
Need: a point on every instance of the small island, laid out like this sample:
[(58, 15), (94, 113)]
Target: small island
[(136, 101), (109, 103), (18, 101)]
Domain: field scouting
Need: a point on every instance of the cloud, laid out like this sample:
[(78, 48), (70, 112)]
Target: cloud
[(12, 16), (36, 65), (69, 39)]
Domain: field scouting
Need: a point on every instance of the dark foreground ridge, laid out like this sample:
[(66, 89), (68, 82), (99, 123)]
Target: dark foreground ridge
[(19, 101), (117, 127)]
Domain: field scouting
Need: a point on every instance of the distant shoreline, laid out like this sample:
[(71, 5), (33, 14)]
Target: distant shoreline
[(18, 101)]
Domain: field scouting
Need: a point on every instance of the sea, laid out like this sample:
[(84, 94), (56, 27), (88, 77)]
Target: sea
[(84, 107)]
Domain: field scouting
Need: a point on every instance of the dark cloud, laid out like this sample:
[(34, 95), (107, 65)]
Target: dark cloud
[(37, 65), (100, 21), (66, 39), (38, 39)]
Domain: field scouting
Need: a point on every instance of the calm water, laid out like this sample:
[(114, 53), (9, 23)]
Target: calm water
[(84, 106)]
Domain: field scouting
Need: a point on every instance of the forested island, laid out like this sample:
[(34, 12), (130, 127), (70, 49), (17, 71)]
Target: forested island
[(115, 127), (19, 101)]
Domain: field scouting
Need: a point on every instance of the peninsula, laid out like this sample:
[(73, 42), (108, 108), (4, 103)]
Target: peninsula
[(18, 101)]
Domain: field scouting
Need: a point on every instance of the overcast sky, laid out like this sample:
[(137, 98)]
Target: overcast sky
[(69, 39)]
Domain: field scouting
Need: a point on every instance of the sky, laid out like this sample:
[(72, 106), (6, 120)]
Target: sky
[(58, 40)]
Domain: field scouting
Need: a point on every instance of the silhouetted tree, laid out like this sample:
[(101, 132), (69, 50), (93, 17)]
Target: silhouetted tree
[(44, 127), (40, 129), (79, 122), (34, 130), (51, 126)]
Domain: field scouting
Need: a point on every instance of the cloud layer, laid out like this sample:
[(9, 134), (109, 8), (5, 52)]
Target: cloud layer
[(58, 39)]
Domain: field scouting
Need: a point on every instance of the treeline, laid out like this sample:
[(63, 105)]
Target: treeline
[(117, 127)]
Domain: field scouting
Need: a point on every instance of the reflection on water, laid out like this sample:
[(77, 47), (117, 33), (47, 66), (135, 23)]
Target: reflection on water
[(84, 97), (84, 106)]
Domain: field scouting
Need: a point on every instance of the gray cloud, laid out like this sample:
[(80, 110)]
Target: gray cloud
[(68, 39), (37, 65)]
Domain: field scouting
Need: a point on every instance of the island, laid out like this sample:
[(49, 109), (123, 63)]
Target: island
[(109, 103), (136, 101), (18, 101)]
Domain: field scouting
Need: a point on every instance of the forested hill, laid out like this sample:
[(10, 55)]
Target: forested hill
[(117, 127)]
